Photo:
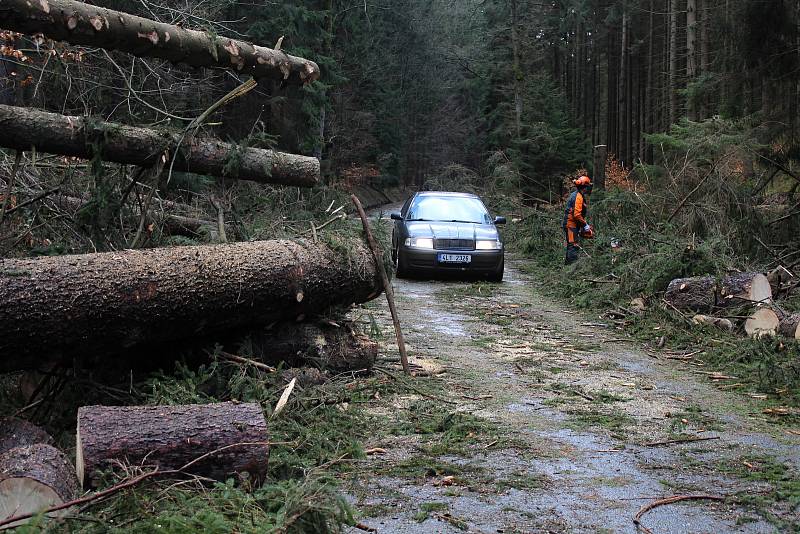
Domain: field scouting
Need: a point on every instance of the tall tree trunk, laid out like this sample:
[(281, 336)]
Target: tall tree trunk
[(673, 61), (704, 13), (648, 89), (622, 92), (691, 52), (517, 70)]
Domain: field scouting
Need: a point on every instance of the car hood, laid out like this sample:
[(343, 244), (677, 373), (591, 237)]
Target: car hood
[(451, 230)]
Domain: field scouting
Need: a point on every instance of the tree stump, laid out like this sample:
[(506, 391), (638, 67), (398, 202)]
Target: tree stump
[(790, 326), (15, 432), (696, 294), (234, 436), (763, 323), (33, 478)]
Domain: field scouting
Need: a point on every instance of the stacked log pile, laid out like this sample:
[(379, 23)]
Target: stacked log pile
[(750, 295)]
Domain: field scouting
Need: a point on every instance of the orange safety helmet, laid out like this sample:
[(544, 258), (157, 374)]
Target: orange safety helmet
[(583, 181), (587, 234)]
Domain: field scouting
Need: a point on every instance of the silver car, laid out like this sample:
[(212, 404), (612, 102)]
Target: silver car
[(442, 232)]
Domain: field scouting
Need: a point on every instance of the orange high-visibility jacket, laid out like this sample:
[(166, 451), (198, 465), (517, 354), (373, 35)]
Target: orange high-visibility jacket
[(575, 212)]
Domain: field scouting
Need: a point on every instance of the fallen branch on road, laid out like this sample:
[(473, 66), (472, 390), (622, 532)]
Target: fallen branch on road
[(637, 519), (678, 441)]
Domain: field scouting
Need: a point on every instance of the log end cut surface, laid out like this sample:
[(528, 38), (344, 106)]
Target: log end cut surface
[(33, 478), (762, 323)]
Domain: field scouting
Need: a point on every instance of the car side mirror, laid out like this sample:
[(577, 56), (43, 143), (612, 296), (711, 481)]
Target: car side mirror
[(499, 220), (396, 216)]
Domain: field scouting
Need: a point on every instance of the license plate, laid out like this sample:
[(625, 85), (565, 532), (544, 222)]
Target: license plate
[(455, 258)]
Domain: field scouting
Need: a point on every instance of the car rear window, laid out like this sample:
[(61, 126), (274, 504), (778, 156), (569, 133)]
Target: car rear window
[(456, 209)]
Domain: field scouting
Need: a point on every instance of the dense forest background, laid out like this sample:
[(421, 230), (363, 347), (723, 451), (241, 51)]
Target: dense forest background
[(512, 93)]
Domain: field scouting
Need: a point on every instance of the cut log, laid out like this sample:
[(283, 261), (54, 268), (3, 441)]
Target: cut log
[(744, 287), (33, 478), (233, 435), (23, 128), (107, 302), (83, 24), (696, 294), (722, 323), (790, 326), (335, 348), (15, 432), (763, 323)]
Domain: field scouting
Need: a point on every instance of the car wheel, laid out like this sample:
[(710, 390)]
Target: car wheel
[(401, 271), (497, 276)]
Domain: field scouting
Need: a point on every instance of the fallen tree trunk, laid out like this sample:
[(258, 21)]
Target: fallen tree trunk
[(107, 302), (335, 348), (763, 323), (33, 478), (232, 435), (15, 432), (696, 294), (23, 128), (790, 326), (744, 287), (704, 293), (83, 24)]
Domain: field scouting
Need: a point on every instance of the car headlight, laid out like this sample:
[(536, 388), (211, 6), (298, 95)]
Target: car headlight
[(494, 244), (420, 242)]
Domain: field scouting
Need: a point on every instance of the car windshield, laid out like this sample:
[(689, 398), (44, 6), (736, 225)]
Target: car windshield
[(450, 209)]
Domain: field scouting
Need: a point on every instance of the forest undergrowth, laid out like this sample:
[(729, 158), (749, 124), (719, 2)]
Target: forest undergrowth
[(709, 206)]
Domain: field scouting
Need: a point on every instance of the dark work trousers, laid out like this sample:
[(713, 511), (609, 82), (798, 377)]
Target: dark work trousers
[(573, 238)]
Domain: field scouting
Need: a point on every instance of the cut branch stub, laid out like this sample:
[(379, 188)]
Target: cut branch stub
[(23, 128), (83, 24)]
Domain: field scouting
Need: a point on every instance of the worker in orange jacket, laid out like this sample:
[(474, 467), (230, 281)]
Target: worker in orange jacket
[(574, 224)]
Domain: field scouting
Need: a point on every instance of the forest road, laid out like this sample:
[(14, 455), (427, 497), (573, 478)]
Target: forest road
[(538, 419)]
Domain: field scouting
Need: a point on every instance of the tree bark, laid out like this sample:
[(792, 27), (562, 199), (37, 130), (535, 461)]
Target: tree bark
[(23, 128), (33, 478), (325, 346), (790, 326), (517, 70), (83, 24), (107, 302), (696, 294), (704, 293), (16, 432), (744, 287), (673, 62), (691, 50), (599, 164), (233, 435)]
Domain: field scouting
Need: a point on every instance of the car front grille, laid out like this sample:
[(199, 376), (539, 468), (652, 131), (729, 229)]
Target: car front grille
[(454, 244)]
